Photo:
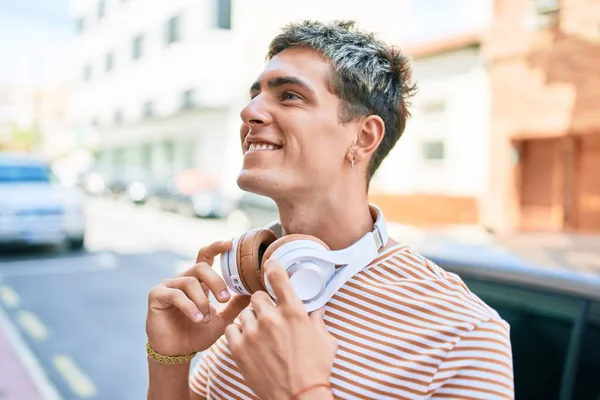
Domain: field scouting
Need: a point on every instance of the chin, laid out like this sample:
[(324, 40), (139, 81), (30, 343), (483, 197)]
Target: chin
[(263, 183)]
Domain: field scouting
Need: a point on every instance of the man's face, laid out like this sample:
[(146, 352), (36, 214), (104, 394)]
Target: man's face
[(293, 145)]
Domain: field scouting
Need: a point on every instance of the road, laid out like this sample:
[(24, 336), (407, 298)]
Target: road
[(79, 317)]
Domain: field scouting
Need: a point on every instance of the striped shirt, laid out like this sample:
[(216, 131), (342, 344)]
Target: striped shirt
[(406, 329)]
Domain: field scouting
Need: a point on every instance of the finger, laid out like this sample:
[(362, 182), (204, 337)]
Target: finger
[(234, 338), (233, 308), (281, 285), (205, 289), (193, 290), (203, 272), (262, 304), (207, 254), (248, 320), (178, 299)]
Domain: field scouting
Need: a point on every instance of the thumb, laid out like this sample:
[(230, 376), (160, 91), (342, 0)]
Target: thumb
[(233, 307)]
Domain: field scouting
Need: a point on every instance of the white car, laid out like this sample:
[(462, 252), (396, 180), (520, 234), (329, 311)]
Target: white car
[(34, 210)]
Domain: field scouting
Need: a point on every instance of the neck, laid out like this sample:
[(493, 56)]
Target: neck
[(338, 220)]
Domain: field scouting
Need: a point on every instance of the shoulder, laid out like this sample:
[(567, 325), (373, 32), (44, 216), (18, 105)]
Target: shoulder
[(404, 288), (413, 275)]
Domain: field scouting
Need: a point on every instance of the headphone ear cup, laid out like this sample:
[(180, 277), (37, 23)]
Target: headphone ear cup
[(282, 241), (252, 245)]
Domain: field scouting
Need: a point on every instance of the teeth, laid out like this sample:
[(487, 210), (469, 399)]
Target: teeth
[(261, 146)]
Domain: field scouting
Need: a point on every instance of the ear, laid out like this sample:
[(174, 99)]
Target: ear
[(368, 139)]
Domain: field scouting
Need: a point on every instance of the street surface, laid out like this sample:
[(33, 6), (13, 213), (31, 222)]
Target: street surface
[(75, 321)]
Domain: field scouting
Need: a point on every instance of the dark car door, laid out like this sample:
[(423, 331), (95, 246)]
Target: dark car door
[(555, 340)]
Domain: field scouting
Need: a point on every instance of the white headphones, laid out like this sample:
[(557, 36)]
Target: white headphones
[(315, 271)]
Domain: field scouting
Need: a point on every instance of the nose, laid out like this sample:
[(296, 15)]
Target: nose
[(256, 113)]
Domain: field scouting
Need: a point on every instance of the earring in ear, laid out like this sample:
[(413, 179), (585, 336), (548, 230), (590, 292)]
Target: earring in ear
[(352, 164)]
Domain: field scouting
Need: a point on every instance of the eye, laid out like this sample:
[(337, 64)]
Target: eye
[(287, 95)]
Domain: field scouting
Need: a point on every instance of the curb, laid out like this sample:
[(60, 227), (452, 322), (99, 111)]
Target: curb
[(29, 362)]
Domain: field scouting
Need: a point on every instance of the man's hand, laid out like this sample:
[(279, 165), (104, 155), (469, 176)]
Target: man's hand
[(180, 320), (280, 349)]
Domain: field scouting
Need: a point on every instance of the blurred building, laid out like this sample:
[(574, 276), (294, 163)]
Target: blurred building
[(544, 59), (438, 173), (155, 87)]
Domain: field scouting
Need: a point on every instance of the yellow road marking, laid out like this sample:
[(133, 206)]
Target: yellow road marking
[(32, 325), (77, 380), (9, 297)]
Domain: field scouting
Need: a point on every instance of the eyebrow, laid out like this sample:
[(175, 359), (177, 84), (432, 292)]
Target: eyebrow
[(280, 81)]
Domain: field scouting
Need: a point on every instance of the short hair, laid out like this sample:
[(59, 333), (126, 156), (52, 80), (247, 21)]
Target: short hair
[(369, 76)]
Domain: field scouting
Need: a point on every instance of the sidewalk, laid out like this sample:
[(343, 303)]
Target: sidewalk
[(15, 382), (573, 251), (554, 249)]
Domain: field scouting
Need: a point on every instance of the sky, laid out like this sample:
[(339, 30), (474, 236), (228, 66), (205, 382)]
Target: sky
[(431, 19), (35, 35), (34, 38)]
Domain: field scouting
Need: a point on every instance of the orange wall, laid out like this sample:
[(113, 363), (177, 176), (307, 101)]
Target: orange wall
[(427, 209)]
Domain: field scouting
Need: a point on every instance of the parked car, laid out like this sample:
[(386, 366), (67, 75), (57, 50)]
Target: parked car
[(191, 193), (554, 316), (119, 183), (34, 209)]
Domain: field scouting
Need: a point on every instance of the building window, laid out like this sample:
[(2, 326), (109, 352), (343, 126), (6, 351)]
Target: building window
[(433, 150), (147, 109), (173, 30), (118, 117), (188, 99), (137, 45), (223, 14), (80, 25), (547, 13), (433, 143), (101, 9), (110, 60), (146, 156), (87, 73)]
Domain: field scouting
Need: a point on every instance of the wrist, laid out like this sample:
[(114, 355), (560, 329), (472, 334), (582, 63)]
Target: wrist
[(167, 358), (318, 393), (321, 391)]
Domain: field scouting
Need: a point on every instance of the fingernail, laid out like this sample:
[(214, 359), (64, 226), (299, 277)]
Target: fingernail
[(206, 318), (223, 294), (199, 317)]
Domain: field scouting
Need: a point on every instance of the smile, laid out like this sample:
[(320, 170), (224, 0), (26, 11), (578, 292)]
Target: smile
[(263, 147)]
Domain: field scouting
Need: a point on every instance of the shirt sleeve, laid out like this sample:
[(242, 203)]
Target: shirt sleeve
[(198, 379), (479, 366)]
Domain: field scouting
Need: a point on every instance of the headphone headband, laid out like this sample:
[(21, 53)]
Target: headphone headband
[(310, 263)]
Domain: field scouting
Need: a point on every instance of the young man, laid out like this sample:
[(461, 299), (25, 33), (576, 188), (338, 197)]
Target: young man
[(327, 109)]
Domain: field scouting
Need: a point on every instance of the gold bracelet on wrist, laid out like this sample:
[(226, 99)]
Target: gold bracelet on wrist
[(167, 359)]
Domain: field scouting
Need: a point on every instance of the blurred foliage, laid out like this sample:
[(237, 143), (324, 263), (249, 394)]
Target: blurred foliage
[(24, 139)]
